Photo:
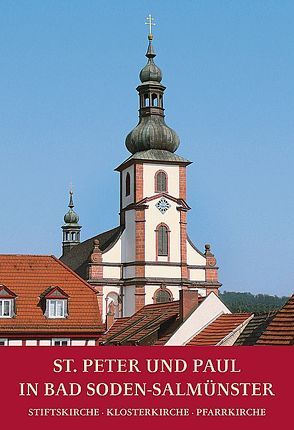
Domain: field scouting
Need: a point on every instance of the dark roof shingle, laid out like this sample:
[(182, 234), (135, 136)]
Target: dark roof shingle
[(135, 329), (160, 320), (281, 329), (254, 329), (78, 257)]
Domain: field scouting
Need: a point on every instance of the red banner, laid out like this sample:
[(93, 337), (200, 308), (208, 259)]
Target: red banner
[(215, 387)]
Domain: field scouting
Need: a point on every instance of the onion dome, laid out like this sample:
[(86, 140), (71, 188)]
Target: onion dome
[(151, 131), (71, 217)]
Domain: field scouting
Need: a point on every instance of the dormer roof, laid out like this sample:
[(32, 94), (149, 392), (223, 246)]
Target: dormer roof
[(6, 293)]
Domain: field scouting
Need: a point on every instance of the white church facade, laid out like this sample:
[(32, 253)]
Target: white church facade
[(149, 257)]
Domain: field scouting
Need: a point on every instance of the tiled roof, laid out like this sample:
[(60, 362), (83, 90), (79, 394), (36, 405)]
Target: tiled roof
[(162, 341), (219, 329), (156, 155), (78, 257), (114, 329), (29, 276), (254, 329), (135, 329), (281, 330), (160, 320)]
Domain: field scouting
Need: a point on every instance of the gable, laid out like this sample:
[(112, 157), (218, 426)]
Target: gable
[(55, 293), (6, 293)]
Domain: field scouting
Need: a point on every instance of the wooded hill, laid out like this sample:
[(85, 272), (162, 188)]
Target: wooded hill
[(247, 302)]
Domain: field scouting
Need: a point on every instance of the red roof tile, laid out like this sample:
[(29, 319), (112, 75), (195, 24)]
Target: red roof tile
[(281, 330), (218, 329), (29, 276)]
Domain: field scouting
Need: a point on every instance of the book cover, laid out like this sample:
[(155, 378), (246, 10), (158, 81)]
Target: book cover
[(166, 284)]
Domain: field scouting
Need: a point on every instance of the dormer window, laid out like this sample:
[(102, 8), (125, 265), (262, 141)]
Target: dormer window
[(56, 303), (6, 307), (7, 302), (57, 308)]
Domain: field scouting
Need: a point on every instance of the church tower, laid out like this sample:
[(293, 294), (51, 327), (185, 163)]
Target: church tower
[(71, 228), (149, 257)]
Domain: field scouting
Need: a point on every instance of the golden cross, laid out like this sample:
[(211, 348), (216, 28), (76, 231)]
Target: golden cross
[(150, 22)]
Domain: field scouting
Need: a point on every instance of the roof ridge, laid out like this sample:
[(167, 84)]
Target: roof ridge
[(236, 314), (75, 274)]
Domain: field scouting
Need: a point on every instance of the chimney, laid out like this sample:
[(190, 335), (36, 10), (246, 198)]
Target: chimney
[(188, 302), (110, 316)]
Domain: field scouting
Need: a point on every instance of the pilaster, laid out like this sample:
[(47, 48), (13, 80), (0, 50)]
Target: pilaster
[(139, 297), (183, 242), (140, 242)]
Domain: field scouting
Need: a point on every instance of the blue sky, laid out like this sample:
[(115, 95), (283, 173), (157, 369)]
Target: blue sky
[(68, 72)]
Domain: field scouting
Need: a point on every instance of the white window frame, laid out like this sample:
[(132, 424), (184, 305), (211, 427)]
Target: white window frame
[(50, 315), (5, 342), (10, 301), (67, 340)]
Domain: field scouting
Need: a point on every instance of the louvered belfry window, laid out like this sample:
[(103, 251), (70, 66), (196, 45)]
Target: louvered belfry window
[(128, 184), (162, 240), (160, 182)]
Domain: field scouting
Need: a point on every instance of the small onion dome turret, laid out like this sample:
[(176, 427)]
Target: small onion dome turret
[(150, 72), (71, 217)]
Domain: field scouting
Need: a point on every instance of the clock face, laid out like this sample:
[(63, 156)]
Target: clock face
[(162, 205)]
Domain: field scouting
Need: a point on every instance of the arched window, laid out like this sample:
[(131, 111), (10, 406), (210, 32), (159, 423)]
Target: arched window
[(113, 300), (160, 181), (162, 296), (128, 184), (154, 100), (162, 232), (146, 100)]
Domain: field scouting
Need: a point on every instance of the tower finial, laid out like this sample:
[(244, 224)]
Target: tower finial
[(150, 22), (71, 204)]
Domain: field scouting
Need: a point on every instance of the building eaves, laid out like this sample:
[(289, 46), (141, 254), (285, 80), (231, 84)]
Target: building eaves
[(153, 155)]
